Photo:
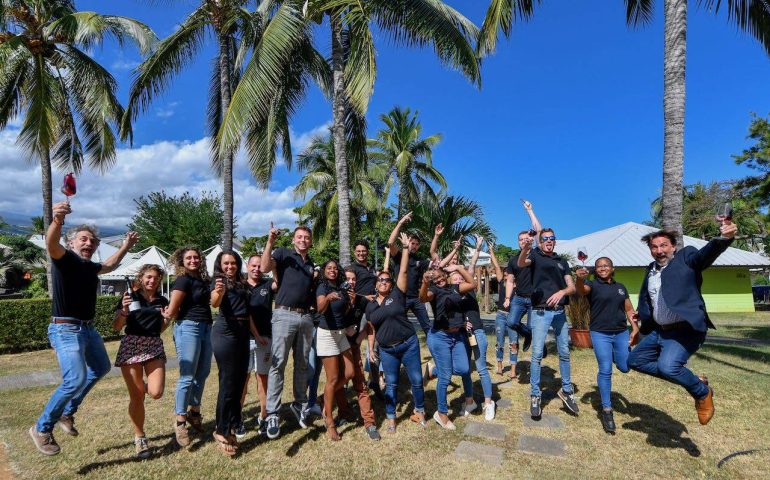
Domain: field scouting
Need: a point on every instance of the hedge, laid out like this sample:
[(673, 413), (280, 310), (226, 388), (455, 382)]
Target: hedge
[(24, 323)]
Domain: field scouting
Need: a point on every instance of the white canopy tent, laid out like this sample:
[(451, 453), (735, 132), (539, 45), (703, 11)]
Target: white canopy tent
[(132, 262), (211, 255)]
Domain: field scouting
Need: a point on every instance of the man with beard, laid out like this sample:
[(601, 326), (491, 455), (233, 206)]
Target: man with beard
[(79, 347), (417, 267)]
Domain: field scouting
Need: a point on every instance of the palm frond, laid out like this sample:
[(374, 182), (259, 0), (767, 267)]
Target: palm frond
[(14, 70), (639, 12), (44, 103), (751, 16), (500, 17)]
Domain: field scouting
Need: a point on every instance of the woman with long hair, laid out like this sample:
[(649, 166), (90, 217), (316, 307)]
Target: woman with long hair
[(610, 310), (190, 299), (334, 301), (141, 354), (230, 342), (398, 343)]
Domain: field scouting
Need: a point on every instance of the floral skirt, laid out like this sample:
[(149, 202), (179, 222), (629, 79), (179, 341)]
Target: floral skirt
[(138, 349)]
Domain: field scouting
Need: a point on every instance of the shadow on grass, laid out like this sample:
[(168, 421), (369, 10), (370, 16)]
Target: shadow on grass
[(757, 332), (662, 429), (741, 351), (156, 452)]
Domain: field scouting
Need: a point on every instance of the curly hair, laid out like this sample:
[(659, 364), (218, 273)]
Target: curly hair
[(137, 283), (323, 278), (177, 259), (219, 273)]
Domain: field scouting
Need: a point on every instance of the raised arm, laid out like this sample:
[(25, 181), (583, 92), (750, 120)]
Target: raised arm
[(475, 256), (434, 243), (403, 271), (394, 234), (536, 226), (53, 235), (217, 293), (468, 284), (455, 248), (580, 287), (495, 263), (703, 258), (386, 261), (112, 263), (524, 260), (266, 263)]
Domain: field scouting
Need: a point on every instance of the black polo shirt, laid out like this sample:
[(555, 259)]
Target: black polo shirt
[(416, 268), (501, 296), (547, 277), (389, 318), (235, 301), (521, 275), (295, 278), (446, 306), (366, 277), (261, 306), (146, 321), (333, 318), (197, 299), (608, 306), (469, 307), (74, 280)]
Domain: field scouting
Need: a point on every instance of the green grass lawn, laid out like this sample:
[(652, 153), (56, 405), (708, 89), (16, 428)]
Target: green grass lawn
[(658, 432)]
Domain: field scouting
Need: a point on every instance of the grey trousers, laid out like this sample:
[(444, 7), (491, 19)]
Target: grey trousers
[(291, 331)]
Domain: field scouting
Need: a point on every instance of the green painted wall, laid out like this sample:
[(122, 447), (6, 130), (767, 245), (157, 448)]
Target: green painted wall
[(725, 289)]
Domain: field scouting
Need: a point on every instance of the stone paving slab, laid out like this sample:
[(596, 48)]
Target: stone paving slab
[(485, 430), (477, 452), (503, 403), (53, 377), (552, 422), (541, 446)]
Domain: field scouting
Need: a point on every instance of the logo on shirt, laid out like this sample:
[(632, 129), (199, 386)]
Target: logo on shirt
[(621, 292), (310, 269), (388, 301), (561, 267), (263, 292), (417, 263)]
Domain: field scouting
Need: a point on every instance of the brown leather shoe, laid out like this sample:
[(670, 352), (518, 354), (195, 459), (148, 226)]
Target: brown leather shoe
[(67, 424), (182, 434), (705, 407), (195, 419), (44, 442)]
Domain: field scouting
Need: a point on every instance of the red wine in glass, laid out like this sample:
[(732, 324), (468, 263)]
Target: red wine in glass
[(69, 186), (724, 213), (582, 255)]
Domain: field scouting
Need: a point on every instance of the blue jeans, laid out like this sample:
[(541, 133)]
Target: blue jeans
[(501, 329), (418, 308), (450, 352), (665, 354), (520, 306), (480, 355), (314, 366), (609, 347), (83, 360), (193, 349), (391, 359), (542, 320)]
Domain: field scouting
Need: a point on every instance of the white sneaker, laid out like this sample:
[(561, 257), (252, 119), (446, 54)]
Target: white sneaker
[(489, 411), (470, 408)]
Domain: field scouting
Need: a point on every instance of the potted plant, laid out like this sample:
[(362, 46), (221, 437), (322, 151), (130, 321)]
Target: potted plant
[(579, 313)]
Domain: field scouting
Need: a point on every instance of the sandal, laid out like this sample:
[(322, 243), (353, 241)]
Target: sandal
[(391, 428), (331, 431), (224, 445), (416, 418)]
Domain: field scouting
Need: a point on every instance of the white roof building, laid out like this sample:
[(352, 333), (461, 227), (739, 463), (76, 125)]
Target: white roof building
[(623, 245), (132, 262)]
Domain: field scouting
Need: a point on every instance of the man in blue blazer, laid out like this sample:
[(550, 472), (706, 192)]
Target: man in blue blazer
[(673, 313)]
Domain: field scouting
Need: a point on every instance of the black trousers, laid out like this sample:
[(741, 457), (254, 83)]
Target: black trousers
[(230, 341)]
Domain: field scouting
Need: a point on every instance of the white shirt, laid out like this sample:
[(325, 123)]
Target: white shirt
[(660, 311)]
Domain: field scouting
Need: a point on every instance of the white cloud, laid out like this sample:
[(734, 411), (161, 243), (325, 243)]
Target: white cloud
[(166, 111), (123, 64), (107, 200), (301, 141)]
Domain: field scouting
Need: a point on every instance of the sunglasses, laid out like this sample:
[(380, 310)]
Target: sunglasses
[(384, 280), (549, 237)]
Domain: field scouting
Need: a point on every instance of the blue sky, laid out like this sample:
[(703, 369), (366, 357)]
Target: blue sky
[(569, 115)]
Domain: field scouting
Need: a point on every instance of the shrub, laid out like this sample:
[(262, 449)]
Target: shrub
[(24, 323)]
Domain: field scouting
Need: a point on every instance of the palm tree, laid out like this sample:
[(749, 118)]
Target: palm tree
[(460, 216), (369, 183), (67, 98), (411, 23), (409, 157), (237, 32), (752, 16)]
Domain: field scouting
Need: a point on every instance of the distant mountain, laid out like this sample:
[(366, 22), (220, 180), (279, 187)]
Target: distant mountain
[(20, 224)]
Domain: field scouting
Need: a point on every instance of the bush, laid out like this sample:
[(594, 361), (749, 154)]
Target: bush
[(24, 323)]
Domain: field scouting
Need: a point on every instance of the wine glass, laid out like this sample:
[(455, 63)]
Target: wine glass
[(69, 186), (582, 255), (724, 213)]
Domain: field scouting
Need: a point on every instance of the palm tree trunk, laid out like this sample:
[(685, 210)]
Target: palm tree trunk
[(338, 132), (225, 67), (673, 114), (47, 188)]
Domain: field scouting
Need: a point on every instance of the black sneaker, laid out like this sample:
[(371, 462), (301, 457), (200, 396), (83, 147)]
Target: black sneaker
[(261, 425), (527, 341), (300, 414), (371, 430), (608, 422), (534, 407), (273, 427), (569, 401), (240, 431)]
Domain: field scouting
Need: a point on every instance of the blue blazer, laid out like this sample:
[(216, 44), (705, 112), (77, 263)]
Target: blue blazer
[(681, 284)]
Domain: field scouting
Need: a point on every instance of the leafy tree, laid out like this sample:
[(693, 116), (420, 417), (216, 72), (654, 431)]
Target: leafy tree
[(751, 16), (38, 226), (237, 31), (22, 251), (757, 157), (170, 222), (505, 253), (409, 157)]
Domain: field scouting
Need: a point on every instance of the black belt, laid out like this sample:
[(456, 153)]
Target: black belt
[(550, 309), (239, 319), (394, 344), (674, 326), (71, 321), (523, 295), (291, 309)]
